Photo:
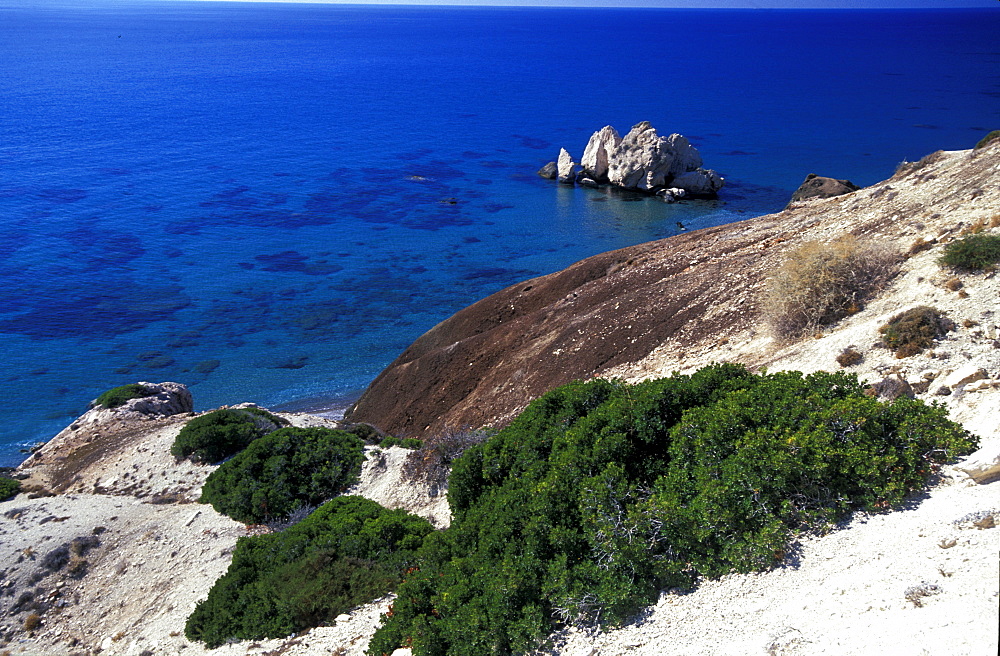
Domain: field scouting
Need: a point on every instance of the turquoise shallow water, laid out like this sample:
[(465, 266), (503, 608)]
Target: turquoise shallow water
[(270, 202)]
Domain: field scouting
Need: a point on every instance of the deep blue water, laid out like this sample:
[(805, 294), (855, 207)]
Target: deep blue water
[(270, 202)]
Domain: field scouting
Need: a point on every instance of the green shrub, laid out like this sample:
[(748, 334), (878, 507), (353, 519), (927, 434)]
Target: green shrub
[(390, 441), (118, 396), (820, 283), (8, 487), (601, 494), (910, 332), (988, 139), (282, 471), (347, 552), (975, 252), (219, 434)]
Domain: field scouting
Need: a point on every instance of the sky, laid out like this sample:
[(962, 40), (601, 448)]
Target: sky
[(731, 4)]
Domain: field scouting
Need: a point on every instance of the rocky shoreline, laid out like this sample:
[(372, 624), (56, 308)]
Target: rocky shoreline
[(140, 553)]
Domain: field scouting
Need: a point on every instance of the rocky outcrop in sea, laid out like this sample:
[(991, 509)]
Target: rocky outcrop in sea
[(642, 160)]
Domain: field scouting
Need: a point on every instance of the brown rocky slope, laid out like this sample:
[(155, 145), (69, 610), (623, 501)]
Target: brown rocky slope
[(659, 306)]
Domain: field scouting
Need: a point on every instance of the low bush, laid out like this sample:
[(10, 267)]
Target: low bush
[(974, 252), (849, 357), (820, 283), (8, 487), (600, 494), (988, 139), (348, 552), (118, 396), (282, 471), (219, 434), (910, 332), (431, 463)]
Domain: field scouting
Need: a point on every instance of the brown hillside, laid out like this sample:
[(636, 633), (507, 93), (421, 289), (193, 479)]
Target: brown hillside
[(690, 296)]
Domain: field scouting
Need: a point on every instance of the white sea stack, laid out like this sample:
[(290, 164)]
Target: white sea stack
[(597, 154)]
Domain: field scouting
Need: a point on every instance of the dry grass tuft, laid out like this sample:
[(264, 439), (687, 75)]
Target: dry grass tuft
[(820, 283)]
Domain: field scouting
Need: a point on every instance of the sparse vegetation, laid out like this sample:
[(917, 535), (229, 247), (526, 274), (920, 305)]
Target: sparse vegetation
[(974, 252), (849, 357), (8, 487), (219, 434), (820, 283), (953, 284), (286, 469), (348, 552), (988, 139), (910, 332), (919, 245), (600, 494), (431, 463), (407, 443), (118, 396), (32, 622)]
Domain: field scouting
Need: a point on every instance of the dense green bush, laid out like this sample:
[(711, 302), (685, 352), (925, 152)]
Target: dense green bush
[(347, 552), (975, 252), (282, 471), (407, 443), (118, 396), (8, 487), (219, 434), (910, 332), (600, 494)]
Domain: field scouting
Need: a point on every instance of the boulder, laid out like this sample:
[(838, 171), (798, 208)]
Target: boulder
[(566, 167), (701, 182), (964, 375), (642, 160), (983, 466), (892, 387), (817, 186), (597, 154), (550, 171), (645, 161)]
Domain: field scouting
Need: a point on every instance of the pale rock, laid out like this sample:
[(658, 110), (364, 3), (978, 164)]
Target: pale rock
[(970, 373), (703, 182), (686, 157), (343, 617), (566, 167), (642, 160), (983, 466), (403, 651), (584, 181), (930, 374), (597, 155)]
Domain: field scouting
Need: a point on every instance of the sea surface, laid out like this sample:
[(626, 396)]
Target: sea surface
[(269, 202)]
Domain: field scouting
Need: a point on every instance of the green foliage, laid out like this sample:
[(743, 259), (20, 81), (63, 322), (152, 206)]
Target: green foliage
[(820, 283), (912, 331), (348, 552), (600, 494), (282, 471), (975, 252), (8, 487), (988, 139), (408, 443), (118, 396), (219, 434)]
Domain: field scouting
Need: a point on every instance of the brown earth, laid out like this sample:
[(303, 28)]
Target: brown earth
[(670, 301)]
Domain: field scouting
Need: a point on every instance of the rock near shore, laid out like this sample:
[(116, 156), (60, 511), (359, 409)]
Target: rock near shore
[(642, 160)]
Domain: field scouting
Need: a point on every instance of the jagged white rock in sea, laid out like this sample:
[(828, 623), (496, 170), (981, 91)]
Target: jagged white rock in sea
[(642, 160), (597, 155), (566, 167)]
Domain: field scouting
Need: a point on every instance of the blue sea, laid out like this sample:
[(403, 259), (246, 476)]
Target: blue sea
[(269, 202)]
